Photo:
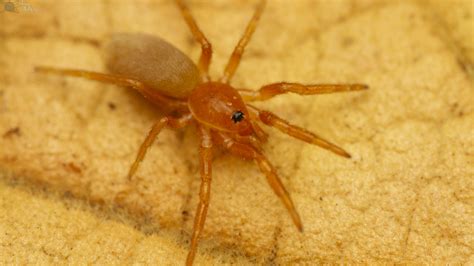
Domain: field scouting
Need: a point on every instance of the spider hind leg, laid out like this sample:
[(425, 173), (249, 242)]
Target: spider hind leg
[(119, 80)]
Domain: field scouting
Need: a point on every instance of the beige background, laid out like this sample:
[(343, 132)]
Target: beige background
[(406, 196)]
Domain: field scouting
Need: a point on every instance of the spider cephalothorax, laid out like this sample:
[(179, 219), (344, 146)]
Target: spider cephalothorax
[(165, 76), (221, 107)]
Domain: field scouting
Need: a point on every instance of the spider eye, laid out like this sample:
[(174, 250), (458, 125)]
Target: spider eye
[(237, 116)]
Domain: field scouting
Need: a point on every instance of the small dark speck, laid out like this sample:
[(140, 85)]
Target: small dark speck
[(456, 109), (12, 132), (63, 83), (185, 213), (467, 15), (416, 59), (321, 198), (112, 106), (347, 41), (72, 167), (67, 194), (190, 40), (56, 23), (465, 66)]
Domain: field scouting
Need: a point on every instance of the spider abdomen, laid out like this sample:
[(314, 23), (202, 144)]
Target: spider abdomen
[(153, 61)]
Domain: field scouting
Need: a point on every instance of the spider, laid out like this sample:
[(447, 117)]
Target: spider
[(167, 77)]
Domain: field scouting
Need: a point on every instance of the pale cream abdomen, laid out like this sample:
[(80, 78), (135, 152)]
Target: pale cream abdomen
[(153, 61)]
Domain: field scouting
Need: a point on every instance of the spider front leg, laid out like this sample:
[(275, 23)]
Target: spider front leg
[(205, 155), (249, 152), (273, 120), (271, 90), (206, 47), (155, 130)]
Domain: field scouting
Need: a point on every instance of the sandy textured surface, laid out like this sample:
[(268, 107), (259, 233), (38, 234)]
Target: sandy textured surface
[(407, 195)]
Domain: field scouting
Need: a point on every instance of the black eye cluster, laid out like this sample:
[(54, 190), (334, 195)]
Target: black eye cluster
[(237, 116)]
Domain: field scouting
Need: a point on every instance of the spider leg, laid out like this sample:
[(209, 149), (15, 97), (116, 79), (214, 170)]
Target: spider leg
[(155, 130), (273, 120), (271, 90), (139, 86), (206, 47), (248, 152), (239, 49), (205, 153)]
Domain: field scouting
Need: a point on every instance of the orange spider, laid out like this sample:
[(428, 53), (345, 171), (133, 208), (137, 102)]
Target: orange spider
[(165, 76)]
